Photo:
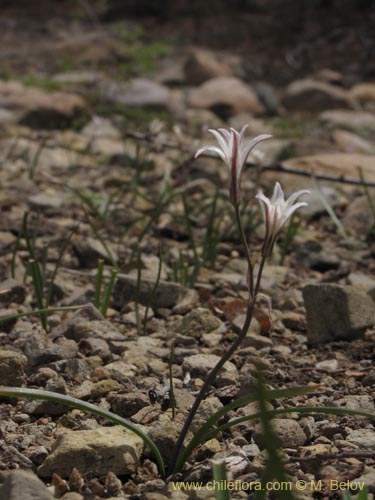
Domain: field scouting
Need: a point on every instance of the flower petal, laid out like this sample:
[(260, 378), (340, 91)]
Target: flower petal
[(213, 149)]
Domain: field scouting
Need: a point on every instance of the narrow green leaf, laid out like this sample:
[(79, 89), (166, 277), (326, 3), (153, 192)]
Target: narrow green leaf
[(88, 407)]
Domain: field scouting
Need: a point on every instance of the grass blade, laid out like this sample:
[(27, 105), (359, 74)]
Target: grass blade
[(88, 407)]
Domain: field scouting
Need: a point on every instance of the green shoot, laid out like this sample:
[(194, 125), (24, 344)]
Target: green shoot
[(220, 477)]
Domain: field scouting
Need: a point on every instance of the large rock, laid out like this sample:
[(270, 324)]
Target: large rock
[(289, 432), (42, 109), (198, 322), (337, 312), (312, 95), (136, 92), (358, 219), (24, 485), (352, 143), (364, 93), (96, 452), (169, 295), (356, 121), (202, 65), (337, 164), (226, 96)]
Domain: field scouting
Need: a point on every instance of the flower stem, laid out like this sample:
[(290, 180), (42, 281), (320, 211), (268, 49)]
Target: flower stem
[(210, 378), (247, 252)]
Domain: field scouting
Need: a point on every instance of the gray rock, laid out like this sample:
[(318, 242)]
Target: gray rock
[(169, 295), (358, 219), (90, 250), (337, 312), (363, 438), (200, 364), (40, 349), (368, 477), (198, 322), (48, 199), (226, 96), (314, 200), (202, 65), (288, 431), (352, 143), (96, 452), (137, 92), (308, 94), (355, 402), (12, 291), (12, 366), (88, 323), (25, 485), (356, 121), (128, 404)]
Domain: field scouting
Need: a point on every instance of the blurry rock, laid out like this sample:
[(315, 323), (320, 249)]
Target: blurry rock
[(202, 65), (328, 75), (314, 199), (352, 143), (328, 365), (95, 452), (359, 121), (225, 96), (90, 250), (12, 291), (41, 109), (288, 431), (269, 98), (202, 119), (169, 295), (87, 78), (337, 312), (313, 95), (358, 218), (25, 485), (101, 127), (364, 93), (12, 366), (361, 280), (47, 199), (337, 164), (136, 92), (40, 349), (198, 365), (127, 405)]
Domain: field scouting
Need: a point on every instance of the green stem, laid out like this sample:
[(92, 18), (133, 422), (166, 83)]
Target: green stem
[(175, 462), (247, 251)]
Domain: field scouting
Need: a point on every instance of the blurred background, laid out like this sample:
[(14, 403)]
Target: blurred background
[(273, 40)]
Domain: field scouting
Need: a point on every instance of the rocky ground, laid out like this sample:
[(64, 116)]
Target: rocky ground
[(98, 129)]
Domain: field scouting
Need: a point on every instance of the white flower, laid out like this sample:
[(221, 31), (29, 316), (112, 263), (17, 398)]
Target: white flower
[(234, 151), (277, 211)]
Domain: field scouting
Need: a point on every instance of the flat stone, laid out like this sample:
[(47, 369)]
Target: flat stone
[(226, 96), (313, 95), (12, 368), (198, 365), (166, 295), (21, 484), (96, 452), (352, 143), (337, 164), (337, 312), (136, 92), (349, 120), (363, 438)]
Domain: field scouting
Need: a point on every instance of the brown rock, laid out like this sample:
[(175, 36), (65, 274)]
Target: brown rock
[(202, 65), (313, 95), (39, 108), (226, 95)]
